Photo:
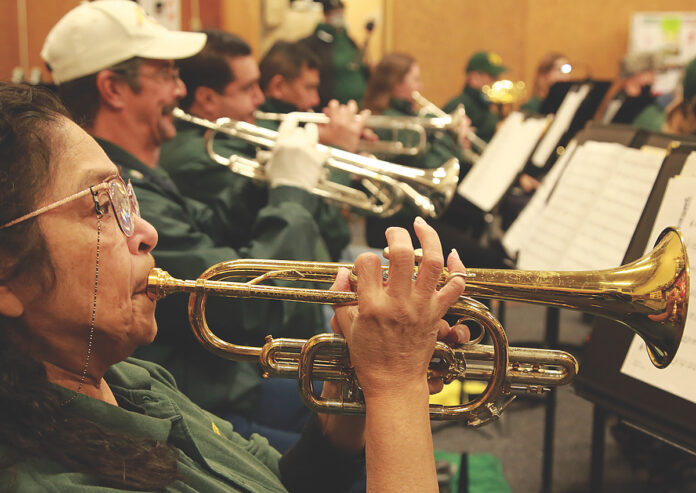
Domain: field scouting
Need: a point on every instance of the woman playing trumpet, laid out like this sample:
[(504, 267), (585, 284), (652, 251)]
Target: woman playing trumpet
[(78, 413)]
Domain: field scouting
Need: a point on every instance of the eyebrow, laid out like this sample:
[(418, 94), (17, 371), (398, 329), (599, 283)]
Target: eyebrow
[(95, 177)]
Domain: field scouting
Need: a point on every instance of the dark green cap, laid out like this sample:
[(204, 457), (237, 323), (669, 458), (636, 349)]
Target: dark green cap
[(690, 81), (486, 61)]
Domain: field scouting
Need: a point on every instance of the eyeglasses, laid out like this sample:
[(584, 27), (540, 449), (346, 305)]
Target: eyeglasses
[(121, 195), (169, 74)]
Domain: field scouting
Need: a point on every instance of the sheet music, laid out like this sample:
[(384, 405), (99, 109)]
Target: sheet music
[(564, 117), (501, 161), (678, 209), (591, 216), (525, 224), (689, 168)]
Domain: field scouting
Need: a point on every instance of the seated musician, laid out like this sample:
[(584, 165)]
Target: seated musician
[(389, 92), (483, 68), (681, 114), (223, 81), (630, 100), (554, 67), (78, 414), (118, 79)]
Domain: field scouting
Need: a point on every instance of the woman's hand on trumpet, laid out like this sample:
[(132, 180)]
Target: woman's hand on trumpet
[(391, 336)]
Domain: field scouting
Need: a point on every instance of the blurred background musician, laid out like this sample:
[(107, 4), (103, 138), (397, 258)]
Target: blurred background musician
[(126, 104), (482, 69), (553, 67), (342, 68), (631, 99), (681, 115), (223, 81), (389, 93)]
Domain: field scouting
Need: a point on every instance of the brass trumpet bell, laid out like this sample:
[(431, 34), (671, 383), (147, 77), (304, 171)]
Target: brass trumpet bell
[(649, 296)]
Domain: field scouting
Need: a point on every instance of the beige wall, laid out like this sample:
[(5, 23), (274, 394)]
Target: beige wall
[(443, 34)]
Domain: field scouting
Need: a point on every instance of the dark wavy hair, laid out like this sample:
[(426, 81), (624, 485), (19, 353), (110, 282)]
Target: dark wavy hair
[(390, 70), (33, 421), (210, 66), (287, 60)]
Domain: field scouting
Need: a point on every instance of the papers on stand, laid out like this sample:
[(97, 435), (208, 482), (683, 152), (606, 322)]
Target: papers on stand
[(591, 215), (501, 161), (678, 209), (518, 233), (561, 123)]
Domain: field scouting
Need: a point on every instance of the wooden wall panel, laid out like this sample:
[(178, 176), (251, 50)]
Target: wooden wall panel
[(41, 16), (243, 18), (9, 40), (593, 33), (442, 34), (201, 14)]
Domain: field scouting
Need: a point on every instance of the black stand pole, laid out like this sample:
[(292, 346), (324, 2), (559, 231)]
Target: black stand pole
[(599, 422), (551, 340)]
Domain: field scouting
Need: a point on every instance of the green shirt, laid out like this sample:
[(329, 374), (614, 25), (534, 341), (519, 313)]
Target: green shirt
[(477, 109), (441, 146), (212, 457), (332, 225), (342, 71), (193, 237), (652, 118), (533, 104)]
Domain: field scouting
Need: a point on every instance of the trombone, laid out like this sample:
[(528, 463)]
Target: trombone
[(649, 296), (387, 185)]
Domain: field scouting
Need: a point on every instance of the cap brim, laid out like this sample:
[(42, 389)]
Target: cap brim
[(174, 45), (497, 70)]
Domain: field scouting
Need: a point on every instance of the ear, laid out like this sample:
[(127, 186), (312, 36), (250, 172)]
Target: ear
[(10, 305), (205, 98), (276, 87), (111, 89)]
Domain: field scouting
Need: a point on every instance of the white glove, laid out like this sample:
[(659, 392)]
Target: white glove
[(296, 161)]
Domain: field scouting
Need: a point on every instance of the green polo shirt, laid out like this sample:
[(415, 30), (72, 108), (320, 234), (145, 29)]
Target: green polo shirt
[(212, 457), (477, 109), (193, 237)]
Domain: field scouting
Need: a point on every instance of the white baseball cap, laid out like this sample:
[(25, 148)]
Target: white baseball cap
[(96, 35)]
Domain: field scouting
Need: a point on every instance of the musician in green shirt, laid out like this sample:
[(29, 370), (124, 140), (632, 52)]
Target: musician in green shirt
[(483, 68)]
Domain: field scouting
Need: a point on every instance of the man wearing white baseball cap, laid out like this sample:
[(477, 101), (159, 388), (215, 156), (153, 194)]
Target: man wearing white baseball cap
[(116, 74)]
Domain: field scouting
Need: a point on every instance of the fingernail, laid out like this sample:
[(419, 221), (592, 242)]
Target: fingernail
[(456, 253), (419, 220)]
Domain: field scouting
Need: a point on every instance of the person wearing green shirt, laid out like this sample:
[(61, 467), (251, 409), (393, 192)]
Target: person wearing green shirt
[(123, 92), (342, 69), (80, 415), (290, 82), (483, 68), (389, 92), (223, 81)]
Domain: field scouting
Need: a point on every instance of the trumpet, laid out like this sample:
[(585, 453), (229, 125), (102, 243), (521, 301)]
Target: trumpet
[(387, 185), (428, 107), (414, 127), (649, 296)]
